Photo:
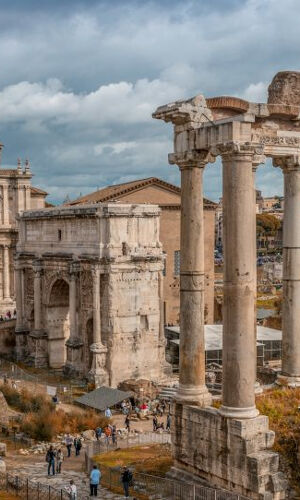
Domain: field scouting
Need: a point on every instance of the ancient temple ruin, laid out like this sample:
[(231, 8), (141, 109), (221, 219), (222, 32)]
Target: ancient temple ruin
[(89, 291), (230, 447)]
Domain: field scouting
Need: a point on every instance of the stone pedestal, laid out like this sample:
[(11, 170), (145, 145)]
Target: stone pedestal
[(98, 374), (226, 453), (74, 356), (21, 349), (38, 348)]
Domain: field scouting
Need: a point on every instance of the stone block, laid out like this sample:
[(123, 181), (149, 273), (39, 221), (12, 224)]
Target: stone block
[(2, 449)]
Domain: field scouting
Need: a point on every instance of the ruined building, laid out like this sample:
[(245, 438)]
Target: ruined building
[(89, 291)]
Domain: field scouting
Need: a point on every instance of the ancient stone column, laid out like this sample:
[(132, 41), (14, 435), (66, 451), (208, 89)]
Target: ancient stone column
[(72, 303), (5, 204), (239, 342), (19, 296), (291, 270), (192, 388), (37, 285), (98, 372), (161, 308), (96, 307), (6, 273)]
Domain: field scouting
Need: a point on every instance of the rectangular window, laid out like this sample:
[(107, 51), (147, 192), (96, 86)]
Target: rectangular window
[(177, 263), (59, 235)]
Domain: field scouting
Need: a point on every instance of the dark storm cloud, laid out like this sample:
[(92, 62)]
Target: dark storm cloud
[(80, 79)]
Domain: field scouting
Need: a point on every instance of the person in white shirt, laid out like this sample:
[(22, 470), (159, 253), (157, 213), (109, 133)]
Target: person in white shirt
[(108, 413), (72, 490)]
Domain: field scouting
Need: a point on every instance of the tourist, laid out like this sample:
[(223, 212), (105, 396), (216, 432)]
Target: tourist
[(155, 423), (59, 460), (127, 423), (107, 432), (78, 446), (114, 434), (95, 477), (126, 479), (50, 458), (72, 490), (98, 433), (69, 442), (1, 318), (108, 413), (15, 314), (168, 426)]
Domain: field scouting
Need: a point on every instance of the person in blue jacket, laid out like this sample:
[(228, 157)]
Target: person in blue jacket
[(95, 477)]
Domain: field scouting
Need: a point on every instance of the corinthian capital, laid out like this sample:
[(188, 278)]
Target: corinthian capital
[(191, 159), (287, 163)]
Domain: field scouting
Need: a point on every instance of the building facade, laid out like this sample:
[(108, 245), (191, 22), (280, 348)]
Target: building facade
[(89, 291), (16, 195), (167, 196)]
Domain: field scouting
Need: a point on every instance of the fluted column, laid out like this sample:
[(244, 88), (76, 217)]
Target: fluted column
[(19, 296), (192, 388), (5, 204), (96, 307), (73, 302), (6, 273), (239, 340), (37, 285), (98, 373), (291, 270)]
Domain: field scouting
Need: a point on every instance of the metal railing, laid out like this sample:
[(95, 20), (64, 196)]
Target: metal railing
[(30, 490)]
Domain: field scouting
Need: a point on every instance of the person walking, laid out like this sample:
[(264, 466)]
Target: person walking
[(50, 458), (107, 432), (127, 423), (168, 426), (78, 446), (72, 490), (126, 479), (114, 434), (69, 442), (98, 432), (108, 413), (59, 460), (155, 423), (95, 478)]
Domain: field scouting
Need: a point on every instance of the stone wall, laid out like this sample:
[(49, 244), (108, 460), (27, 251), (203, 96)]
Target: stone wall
[(7, 337)]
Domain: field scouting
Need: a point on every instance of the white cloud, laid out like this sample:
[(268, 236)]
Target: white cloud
[(256, 92)]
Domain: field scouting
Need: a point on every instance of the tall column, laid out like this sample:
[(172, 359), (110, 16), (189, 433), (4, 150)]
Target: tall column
[(192, 388), (27, 200), (161, 308), (239, 340), (72, 302), (19, 296), (5, 204), (37, 285), (6, 273), (291, 270), (96, 307), (98, 372)]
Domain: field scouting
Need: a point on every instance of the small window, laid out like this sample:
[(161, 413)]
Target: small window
[(59, 235), (177, 263)]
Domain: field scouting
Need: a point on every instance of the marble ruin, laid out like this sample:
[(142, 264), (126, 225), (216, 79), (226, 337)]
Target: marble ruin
[(16, 195), (230, 447), (89, 291)]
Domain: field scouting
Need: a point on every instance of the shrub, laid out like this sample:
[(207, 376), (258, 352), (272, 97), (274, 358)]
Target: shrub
[(24, 401)]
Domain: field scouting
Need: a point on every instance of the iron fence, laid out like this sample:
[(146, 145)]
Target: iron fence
[(30, 490)]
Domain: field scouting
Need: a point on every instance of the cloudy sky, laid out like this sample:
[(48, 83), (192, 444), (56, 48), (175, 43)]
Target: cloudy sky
[(80, 79)]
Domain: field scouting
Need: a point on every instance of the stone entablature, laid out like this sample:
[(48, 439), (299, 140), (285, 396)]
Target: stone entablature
[(88, 281)]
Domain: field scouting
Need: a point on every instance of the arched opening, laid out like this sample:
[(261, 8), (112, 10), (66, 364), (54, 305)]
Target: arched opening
[(58, 323), (89, 341)]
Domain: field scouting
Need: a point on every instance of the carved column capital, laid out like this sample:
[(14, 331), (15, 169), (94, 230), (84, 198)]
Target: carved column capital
[(191, 159), (287, 163), (37, 267), (74, 270), (240, 149)]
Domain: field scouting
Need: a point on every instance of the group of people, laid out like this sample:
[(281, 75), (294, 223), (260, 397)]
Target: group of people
[(54, 458), (76, 442), (8, 315), (110, 433)]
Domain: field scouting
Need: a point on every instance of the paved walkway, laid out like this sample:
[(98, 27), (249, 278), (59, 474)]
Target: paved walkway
[(37, 473)]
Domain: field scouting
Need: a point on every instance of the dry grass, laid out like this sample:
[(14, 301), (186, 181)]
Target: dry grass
[(7, 496), (153, 459)]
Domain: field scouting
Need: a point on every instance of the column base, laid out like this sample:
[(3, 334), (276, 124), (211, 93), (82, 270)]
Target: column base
[(38, 348), (98, 374), (198, 396), (286, 380), (231, 454), (73, 363), (238, 413)]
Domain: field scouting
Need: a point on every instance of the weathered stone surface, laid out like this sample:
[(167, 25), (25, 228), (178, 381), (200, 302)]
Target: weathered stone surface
[(94, 274), (285, 88)]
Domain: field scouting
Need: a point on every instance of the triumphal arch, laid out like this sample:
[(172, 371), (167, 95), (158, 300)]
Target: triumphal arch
[(230, 446), (89, 291)]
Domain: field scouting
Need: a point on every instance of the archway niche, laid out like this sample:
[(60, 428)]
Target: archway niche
[(58, 323)]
